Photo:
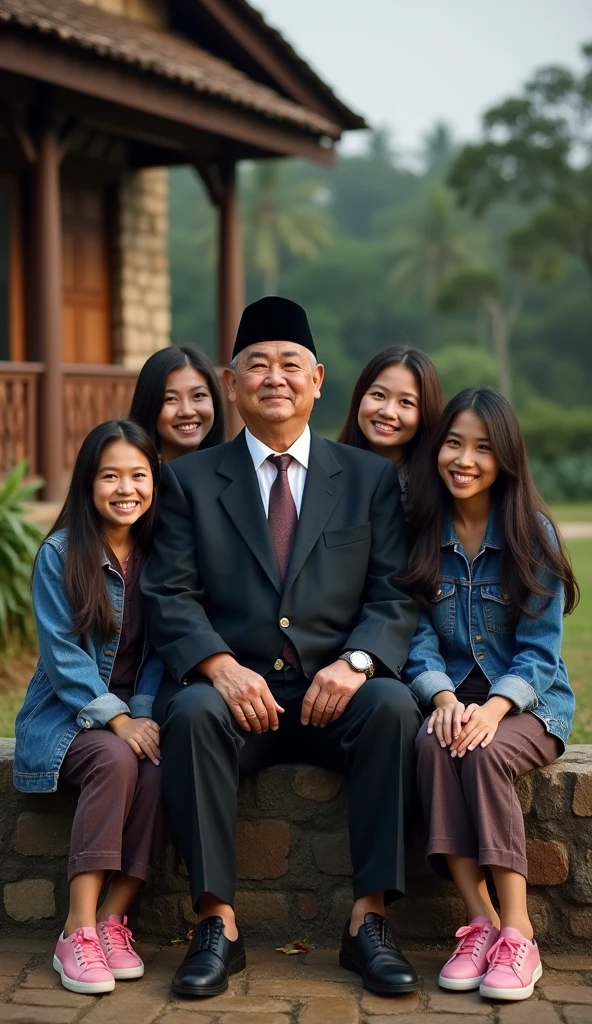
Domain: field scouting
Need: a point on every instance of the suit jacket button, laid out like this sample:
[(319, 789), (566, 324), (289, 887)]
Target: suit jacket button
[(278, 664), (284, 623), (183, 682)]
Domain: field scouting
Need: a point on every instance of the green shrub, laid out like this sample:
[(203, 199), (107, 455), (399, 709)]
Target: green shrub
[(555, 433), (19, 541), (568, 478)]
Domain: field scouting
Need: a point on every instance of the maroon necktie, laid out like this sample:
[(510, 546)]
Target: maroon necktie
[(283, 520)]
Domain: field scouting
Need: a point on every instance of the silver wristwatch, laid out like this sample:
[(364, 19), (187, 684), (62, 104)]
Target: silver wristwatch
[(359, 661)]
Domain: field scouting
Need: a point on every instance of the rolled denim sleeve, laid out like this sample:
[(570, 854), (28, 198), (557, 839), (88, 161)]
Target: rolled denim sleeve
[(425, 669), (72, 672), (539, 635)]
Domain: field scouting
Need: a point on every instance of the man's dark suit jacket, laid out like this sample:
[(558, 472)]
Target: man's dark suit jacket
[(212, 582)]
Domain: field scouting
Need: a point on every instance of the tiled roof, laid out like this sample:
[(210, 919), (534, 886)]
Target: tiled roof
[(160, 53)]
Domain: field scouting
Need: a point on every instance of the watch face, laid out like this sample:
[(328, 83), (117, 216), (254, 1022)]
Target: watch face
[(359, 660)]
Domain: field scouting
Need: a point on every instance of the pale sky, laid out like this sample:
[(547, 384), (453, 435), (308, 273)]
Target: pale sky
[(408, 63)]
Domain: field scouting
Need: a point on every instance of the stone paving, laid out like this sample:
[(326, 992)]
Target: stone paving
[(277, 989)]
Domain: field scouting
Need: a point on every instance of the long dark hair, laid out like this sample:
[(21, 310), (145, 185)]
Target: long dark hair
[(527, 548), (84, 578), (426, 378), (150, 387)]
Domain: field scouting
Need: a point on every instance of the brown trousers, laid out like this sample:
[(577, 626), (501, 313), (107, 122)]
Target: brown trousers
[(118, 822), (470, 804)]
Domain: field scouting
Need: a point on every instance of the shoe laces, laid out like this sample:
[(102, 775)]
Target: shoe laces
[(380, 934), (207, 935), (87, 949), (506, 952), (471, 937), (117, 936)]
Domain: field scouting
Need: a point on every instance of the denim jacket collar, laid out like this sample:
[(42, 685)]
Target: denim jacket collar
[(493, 535)]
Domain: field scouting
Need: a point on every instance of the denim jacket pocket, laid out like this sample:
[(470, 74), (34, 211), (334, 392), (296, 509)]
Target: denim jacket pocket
[(443, 608), (496, 602)]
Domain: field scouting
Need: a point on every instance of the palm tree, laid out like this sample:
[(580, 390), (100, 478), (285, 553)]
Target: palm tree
[(283, 215), (437, 241)]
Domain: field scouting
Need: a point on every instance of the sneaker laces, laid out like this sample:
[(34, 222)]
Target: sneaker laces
[(207, 935), (470, 936), (117, 936), (505, 952), (88, 949)]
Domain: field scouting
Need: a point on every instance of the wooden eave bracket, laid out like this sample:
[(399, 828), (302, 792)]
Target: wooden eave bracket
[(18, 133), (209, 172)]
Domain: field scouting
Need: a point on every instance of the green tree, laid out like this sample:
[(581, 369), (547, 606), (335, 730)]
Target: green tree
[(437, 150), (538, 146), (461, 367), (282, 216), (436, 241)]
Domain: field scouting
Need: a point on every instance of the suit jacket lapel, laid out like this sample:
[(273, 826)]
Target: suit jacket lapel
[(321, 494), (242, 501)]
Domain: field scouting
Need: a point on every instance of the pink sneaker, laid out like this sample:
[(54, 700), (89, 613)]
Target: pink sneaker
[(121, 957), (468, 964), (514, 967), (81, 964)]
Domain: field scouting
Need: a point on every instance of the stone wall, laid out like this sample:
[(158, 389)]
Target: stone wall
[(145, 12), (142, 317), (294, 867)]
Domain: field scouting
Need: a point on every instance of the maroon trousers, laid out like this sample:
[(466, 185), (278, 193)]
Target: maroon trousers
[(118, 823), (470, 804)]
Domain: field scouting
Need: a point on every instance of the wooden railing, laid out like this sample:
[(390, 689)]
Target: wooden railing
[(92, 394)]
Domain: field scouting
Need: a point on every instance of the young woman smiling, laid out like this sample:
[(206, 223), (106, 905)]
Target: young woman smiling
[(493, 580), (86, 720), (177, 400), (395, 404)]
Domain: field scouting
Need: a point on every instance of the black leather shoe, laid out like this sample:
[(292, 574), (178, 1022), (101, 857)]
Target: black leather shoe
[(374, 954), (210, 960)]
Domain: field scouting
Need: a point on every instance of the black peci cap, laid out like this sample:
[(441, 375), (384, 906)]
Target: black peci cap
[(273, 319)]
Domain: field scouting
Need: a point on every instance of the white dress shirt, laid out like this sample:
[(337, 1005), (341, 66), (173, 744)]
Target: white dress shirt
[(267, 472)]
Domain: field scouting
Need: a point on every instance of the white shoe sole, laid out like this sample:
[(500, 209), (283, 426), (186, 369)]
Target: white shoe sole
[(127, 973), (513, 994), (460, 984), (84, 988)]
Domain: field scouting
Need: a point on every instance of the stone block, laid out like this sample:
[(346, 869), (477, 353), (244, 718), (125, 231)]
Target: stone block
[(550, 793), (581, 994), (331, 853), (524, 789), (581, 875), (532, 1011), (43, 834), (262, 849), (307, 906), (580, 923), (29, 900), (405, 1003), (316, 784), (11, 1013), (582, 798), (538, 909), (548, 862), (432, 918), (261, 908)]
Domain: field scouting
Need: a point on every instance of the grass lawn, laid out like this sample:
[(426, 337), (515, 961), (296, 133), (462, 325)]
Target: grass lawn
[(575, 512), (577, 646), (577, 642)]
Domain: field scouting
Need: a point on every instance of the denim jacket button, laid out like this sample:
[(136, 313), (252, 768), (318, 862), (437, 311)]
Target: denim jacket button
[(439, 592), (478, 638), (481, 655)]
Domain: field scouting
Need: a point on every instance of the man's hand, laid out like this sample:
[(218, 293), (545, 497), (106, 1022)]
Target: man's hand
[(446, 720), (480, 724), (329, 693), (247, 694), (142, 735)]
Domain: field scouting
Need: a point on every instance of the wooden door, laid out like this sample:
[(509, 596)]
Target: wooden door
[(85, 269)]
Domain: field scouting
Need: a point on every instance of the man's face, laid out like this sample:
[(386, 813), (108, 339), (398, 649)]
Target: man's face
[(275, 383)]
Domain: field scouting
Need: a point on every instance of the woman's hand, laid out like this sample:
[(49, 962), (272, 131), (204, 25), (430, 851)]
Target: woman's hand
[(480, 724), (142, 734), (446, 720)]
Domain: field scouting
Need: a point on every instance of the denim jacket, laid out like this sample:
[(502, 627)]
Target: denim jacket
[(69, 690), (469, 621)]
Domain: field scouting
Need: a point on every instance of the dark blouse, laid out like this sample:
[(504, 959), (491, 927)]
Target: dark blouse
[(131, 640)]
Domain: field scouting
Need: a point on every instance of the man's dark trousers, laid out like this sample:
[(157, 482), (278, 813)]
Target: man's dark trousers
[(205, 753)]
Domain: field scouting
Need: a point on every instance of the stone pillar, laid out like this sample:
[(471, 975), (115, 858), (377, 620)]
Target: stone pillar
[(142, 316)]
